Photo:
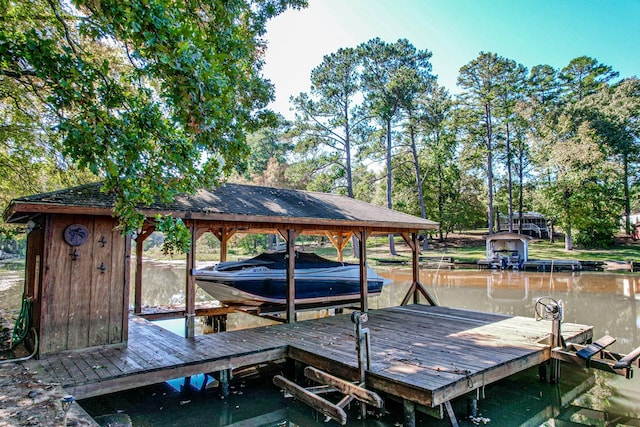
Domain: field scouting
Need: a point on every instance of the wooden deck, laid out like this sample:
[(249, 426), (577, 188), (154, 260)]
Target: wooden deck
[(427, 355)]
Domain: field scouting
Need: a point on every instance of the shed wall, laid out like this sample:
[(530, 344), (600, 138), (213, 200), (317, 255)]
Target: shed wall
[(82, 298)]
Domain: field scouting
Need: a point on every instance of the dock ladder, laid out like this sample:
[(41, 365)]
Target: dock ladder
[(329, 383)]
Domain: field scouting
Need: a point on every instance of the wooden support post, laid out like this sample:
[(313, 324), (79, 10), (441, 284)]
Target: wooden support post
[(146, 232), (452, 416), (417, 287), (291, 284), (409, 410), (223, 234), (415, 265), (190, 286), (364, 288), (339, 246), (223, 382), (339, 241), (138, 279), (556, 341), (472, 406)]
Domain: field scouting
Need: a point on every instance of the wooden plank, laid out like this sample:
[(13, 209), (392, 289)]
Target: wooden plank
[(445, 354), (344, 387), (628, 360), (313, 400), (80, 275), (148, 377), (180, 313), (126, 280), (100, 301), (594, 348), (595, 363), (55, 295)]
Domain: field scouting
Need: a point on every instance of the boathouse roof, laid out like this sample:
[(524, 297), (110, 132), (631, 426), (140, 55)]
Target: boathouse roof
[(238, 203), (507, 236)]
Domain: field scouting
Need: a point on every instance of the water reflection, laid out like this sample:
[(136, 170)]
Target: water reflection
[(608, 301)]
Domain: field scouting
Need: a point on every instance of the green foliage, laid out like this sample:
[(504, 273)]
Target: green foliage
[(329, 125), (252, 243), (266, 146), (177, 236), (596, 234), (155, 97)]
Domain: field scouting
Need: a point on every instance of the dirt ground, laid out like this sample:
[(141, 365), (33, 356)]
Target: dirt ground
[(27, 396)]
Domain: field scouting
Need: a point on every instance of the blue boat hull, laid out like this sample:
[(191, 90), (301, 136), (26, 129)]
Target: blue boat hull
[(257, 281)]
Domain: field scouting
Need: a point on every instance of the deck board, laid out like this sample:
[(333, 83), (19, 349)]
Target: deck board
[(426, 354)]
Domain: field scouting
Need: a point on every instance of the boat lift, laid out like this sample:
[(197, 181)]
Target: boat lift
[(594, 355), (329, 383)]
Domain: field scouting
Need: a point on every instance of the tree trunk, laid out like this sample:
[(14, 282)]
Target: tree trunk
[(392, 246), (520, 188), (487, 111), (416, 165), (627, 198), (509, 181), (440, 202), (568, 240), (347, 154)]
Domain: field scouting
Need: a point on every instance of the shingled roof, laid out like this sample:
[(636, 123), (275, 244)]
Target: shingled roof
[(230, 202)]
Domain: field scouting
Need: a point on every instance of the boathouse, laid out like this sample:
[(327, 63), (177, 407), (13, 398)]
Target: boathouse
[(77, 277), (507, 250), (78, 263)]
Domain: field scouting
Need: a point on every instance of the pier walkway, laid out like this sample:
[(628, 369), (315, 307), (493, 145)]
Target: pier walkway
[(423, 354)]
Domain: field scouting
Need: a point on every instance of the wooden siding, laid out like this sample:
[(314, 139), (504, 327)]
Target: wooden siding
[(83, 295)]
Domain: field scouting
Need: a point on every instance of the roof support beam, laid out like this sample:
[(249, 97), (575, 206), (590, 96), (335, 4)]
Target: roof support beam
[(223, 234), (417, 287), (339, 240)]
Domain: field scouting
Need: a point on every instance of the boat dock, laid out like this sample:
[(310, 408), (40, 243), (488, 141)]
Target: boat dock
[(553, 265), (422, 355)]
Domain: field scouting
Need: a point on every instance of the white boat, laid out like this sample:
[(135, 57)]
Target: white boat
[(262, 280)]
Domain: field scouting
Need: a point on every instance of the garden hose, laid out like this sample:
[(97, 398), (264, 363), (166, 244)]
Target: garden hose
[(21, 328), (24, 359)]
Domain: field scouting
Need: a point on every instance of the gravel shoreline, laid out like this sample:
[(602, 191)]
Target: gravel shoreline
[(29, 397)]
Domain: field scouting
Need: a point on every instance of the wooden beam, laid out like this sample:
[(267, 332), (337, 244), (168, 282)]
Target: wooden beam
[(223, 234), (190, 285), (345, 387), (137, 299), (311, 399), (181, 313), (291, 236), (383, 227), (364, 289), (628, 360), (417, 287), (339, 240), (335, 242)]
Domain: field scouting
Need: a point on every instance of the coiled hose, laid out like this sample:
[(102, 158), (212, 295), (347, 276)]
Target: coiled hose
[(23, 322)]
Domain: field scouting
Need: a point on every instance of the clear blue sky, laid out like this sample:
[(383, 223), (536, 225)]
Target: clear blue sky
[(531, 32)]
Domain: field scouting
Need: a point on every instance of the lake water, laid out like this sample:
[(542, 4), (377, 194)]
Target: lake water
[(608, 301)]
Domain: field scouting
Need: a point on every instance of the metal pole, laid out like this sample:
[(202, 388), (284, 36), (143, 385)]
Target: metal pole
[(363, 347)]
